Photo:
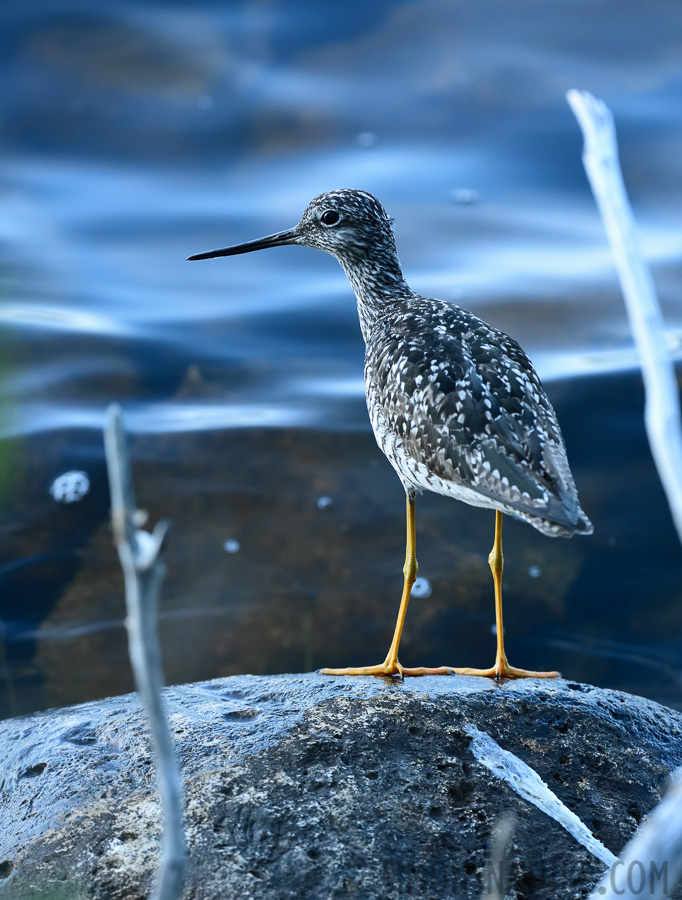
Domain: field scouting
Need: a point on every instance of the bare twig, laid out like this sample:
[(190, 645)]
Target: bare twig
[(662, 411), (143, 570), (651, 863), (653, 858), (498, 863)]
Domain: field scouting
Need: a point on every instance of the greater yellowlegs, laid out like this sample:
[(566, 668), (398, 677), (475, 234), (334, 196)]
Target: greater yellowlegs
[(455, 404)]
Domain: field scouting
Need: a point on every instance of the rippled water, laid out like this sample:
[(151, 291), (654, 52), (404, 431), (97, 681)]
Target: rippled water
[(135, 134)]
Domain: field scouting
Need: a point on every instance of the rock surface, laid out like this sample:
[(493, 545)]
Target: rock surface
[(315, 787)]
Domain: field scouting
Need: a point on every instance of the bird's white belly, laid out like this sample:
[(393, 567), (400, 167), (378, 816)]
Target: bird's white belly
[(415, 474)]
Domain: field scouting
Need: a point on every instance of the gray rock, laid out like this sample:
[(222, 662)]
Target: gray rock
[(316, 787)]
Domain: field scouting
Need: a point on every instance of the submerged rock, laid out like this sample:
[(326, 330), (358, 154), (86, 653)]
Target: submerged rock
[(316, 787)]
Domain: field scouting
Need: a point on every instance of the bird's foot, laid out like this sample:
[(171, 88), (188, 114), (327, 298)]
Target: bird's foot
[(502, 669), (391, 668)]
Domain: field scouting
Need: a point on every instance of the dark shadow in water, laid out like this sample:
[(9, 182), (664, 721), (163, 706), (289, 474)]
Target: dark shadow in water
[(286, 555)]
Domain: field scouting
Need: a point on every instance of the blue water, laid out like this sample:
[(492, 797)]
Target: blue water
[(134, 134)]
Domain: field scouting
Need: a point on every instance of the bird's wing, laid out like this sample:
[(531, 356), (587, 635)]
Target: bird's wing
[(477, 412)]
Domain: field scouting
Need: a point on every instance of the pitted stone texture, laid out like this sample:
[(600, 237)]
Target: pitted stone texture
[(315, 787)]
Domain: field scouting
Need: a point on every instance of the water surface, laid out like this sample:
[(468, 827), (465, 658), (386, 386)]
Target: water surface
[(135, 134)]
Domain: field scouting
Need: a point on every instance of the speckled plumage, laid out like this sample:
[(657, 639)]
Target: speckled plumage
[(455, 404)]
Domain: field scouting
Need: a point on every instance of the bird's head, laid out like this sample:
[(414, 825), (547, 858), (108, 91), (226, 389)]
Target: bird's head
[(349, 224), (346, 223)]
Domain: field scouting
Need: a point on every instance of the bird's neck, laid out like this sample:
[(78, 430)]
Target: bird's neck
[(377, 285)]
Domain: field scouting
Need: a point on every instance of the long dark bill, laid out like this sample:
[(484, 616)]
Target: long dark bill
[(272, 240)]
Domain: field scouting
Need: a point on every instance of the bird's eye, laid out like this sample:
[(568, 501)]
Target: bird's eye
[(330, 217)]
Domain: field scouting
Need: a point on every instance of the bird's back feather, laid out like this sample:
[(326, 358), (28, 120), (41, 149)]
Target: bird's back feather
[(458, 408)]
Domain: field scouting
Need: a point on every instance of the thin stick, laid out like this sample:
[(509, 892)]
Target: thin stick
[(139, 552), (651, 864), (498, 863), (662, 410)]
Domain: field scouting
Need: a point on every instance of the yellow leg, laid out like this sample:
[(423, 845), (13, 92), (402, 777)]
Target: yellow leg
[(391, 666), (501, 669)]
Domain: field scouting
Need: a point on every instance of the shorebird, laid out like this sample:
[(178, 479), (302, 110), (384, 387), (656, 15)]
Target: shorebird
[(456, 405)]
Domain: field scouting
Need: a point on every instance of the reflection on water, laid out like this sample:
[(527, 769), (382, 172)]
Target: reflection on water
[(136, 134)]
